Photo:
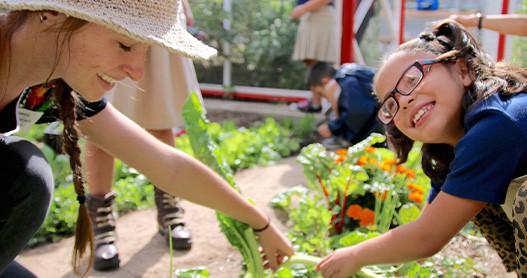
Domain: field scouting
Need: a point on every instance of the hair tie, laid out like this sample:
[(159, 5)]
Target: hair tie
[(81, 199), (480, 20), (427, 37)]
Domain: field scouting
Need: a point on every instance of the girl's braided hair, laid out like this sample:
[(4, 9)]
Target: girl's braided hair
[(450, 41), (65, 99)]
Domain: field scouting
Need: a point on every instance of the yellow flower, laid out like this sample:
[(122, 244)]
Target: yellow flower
[(400, 168)]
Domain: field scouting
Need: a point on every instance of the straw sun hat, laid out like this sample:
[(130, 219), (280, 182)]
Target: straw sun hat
[(154, 22)]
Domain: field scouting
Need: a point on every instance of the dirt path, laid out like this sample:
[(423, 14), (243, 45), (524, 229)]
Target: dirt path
[(144, 253)]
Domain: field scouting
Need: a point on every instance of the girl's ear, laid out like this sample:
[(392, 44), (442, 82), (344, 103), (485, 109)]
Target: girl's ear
[(464, 72)]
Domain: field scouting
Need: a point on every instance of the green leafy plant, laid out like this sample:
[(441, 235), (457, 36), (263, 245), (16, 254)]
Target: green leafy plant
[(363, 186)]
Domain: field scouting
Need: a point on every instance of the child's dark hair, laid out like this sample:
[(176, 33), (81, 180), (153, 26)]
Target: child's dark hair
[(319, 71), (450, 41)]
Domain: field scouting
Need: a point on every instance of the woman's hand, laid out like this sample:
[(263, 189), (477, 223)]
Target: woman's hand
[(338, 264), (275, 246), (298, 12)]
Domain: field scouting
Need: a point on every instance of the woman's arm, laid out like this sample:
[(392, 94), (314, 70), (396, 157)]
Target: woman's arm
[(436, 226), (309, 6), (177, 173), (512, 24)]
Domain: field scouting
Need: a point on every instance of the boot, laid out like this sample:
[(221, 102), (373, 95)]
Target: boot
[(102, 217), (169, 214)]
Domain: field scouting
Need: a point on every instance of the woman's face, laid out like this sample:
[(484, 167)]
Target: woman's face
[(97, 57), (432, 113)]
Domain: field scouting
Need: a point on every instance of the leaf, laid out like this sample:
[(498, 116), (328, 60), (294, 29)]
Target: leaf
[(408, 213)]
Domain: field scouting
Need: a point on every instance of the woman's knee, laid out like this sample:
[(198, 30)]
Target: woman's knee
[(27, 180)]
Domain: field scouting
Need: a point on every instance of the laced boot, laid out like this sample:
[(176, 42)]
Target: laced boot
[(170, 215), (103, 220)]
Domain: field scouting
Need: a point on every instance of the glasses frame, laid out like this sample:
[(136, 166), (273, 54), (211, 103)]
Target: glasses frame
[(419, 64)]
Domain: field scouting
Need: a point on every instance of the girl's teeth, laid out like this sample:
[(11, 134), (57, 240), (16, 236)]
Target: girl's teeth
[(420, 113), (106, 78)]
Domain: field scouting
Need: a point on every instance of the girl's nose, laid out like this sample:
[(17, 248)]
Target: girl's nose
[(404, 101)]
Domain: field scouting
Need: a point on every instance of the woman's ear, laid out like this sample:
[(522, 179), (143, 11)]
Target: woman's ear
[(467, 76), (50, 18)]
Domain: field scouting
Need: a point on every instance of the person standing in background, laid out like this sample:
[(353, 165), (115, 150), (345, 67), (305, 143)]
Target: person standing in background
[(316, 40)]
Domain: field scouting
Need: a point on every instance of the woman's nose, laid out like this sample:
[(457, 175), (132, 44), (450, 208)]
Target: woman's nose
[(135, 67)]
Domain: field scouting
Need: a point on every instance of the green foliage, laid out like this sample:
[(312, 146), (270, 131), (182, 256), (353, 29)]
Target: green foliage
[(262, 36), (262, 143), (239, 234), (358, 179)]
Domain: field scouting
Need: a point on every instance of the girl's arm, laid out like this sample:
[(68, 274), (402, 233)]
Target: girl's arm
[(436, 226), (179, 174), (309, 6)]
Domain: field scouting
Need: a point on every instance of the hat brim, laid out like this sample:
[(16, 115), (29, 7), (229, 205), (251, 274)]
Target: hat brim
[(166, 33)]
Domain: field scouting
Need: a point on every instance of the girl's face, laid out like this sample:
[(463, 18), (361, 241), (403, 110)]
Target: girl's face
[(432, 113), (97, 57)]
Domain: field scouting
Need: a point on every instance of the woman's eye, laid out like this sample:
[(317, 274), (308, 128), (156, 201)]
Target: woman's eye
[(125, 47)]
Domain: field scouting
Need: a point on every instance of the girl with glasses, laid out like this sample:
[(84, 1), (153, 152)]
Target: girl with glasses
[(470, 113), (80, 49)]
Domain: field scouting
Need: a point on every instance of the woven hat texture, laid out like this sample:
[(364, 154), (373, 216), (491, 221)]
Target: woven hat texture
[(154, 22)]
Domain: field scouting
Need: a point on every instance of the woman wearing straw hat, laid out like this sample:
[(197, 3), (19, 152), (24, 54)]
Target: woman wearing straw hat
[(90, 45)]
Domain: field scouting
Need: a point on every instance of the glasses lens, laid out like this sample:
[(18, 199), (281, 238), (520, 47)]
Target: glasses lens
[(388, 110), (409, 80)]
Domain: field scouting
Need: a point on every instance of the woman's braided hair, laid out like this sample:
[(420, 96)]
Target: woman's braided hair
[(66, 100), (451, 41)]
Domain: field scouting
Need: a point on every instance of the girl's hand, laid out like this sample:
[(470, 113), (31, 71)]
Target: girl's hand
[(275, 246), (338, 264), (324, 131)]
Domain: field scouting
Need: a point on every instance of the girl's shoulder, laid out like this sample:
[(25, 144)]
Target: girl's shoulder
[(514, 107)]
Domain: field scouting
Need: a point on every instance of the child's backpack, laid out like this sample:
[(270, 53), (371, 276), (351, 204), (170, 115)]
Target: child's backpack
[(356, 103)]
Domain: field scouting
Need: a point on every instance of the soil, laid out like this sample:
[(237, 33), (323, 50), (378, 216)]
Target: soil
[(144, 253)]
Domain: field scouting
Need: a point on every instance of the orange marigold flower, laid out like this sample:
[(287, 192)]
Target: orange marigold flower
[(411, 186), (362, 160), (367, 217), (386, 166), (354, 212), (370, 149), (374, 162), (416, 197), (409, 173), (341, 152), (381, 195), (400, 168), (339, 159), (419, 189)]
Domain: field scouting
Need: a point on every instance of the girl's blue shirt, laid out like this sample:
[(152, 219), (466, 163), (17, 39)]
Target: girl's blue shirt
[(492, 153)]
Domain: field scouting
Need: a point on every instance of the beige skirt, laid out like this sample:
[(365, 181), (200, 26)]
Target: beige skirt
[(316, 38), (168, 81)]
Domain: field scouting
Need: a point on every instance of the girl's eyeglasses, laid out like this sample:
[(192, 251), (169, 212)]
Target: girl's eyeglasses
[(405, 86)]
